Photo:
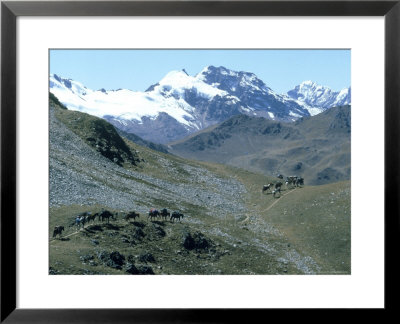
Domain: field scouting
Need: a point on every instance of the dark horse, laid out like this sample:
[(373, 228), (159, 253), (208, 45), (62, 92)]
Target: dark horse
[(58, 230), (164, 214), (176, 215), (105, 214), (90, 217), (131, 215), (299, 182), (153, 213)]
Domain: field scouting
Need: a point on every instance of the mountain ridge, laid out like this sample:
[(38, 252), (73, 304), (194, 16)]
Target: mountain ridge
[(319, 98), (183, 103), (315, 147)]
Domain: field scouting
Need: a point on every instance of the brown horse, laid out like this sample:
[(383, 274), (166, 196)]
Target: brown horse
[(90, 217), (58, 230), (164, 214), (153, 213), (176, 215), (130, 215), (299, 182), (105, 214)]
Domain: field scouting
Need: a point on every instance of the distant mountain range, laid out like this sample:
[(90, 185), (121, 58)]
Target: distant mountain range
[(180, 104), (315, 147), (317, 98)]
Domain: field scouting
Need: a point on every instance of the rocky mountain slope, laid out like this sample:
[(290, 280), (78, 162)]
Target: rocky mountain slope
[(227, 226), (180, 104), (317, 147)]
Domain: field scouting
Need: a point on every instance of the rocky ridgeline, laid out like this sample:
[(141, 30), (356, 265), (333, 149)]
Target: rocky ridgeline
[(100, 135)]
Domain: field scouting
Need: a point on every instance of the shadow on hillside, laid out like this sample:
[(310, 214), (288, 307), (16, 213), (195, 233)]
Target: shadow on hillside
[(112, 226), (138, 224), (161, 223), (93, 228)]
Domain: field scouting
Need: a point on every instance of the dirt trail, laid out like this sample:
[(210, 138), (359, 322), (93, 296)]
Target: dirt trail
[(264, 210), (270, 206)]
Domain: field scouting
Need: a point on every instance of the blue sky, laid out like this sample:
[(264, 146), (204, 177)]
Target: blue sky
[(281, 70)]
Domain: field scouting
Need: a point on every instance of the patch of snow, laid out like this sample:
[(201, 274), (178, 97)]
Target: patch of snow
[(293, 114)]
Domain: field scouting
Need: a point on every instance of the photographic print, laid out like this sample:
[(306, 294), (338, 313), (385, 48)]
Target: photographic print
[(199, 162)]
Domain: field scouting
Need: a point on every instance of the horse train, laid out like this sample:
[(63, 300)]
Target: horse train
[(105, 215), (275, 188)]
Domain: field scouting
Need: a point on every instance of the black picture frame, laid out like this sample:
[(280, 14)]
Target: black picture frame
[(10, 10)]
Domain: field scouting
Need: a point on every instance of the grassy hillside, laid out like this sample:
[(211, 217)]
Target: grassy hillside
[(229, 225), (317, 220), (99, 134)]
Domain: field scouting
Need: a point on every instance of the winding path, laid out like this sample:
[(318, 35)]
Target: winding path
[(270, 206)]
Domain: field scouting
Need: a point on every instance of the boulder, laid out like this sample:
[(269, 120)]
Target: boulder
[(145, 269), (114, 259), (138, 270), (195, 241), (130, 268), (146, 257)]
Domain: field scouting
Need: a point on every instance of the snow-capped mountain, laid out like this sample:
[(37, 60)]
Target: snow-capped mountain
[(181, 104), (317, 98), (256, 97)]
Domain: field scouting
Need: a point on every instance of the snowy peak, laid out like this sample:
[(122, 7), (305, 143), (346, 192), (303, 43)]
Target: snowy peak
[(178, 75), (73, 86), (177, 83), (344, 96), (229, 80), (180, 104), (312, 95), (256, 98)]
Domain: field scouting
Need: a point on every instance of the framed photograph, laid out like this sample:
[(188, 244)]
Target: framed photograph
[(185, 161)]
